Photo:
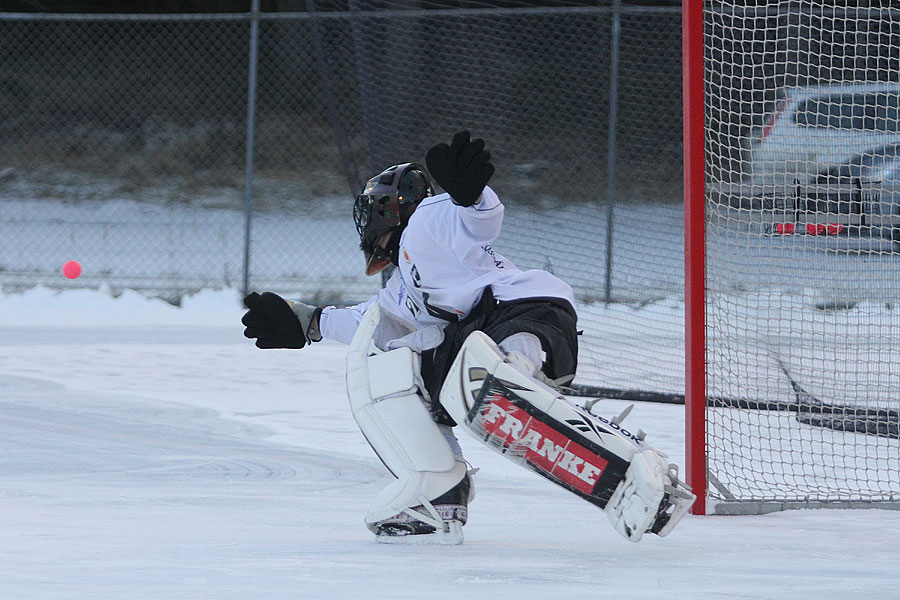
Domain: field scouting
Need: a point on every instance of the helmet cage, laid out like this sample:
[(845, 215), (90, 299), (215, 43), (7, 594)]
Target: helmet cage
[(385, 206)]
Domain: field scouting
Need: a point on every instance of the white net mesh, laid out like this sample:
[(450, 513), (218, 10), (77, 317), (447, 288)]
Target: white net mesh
[(803, 252)]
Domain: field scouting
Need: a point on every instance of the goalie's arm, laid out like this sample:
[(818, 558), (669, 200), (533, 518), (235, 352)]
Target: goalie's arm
[(276, 322)]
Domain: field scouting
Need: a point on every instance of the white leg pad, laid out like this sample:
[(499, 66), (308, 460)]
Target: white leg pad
[(479, 357), (384, 399), (534, 425), (633, 507)]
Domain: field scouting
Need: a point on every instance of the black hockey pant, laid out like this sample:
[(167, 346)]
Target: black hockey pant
[(552, 320)]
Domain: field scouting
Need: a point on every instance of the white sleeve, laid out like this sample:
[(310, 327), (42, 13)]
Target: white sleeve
[(484, 220), (340, 324)]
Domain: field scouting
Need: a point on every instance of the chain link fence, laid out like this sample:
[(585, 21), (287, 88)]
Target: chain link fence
[(124, 145), (124, 138)]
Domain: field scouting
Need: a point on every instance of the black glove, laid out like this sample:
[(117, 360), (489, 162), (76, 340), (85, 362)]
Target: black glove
[(277, 323), (463, 168)]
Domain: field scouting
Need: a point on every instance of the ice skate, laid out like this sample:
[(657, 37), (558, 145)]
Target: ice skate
[(418, 525)]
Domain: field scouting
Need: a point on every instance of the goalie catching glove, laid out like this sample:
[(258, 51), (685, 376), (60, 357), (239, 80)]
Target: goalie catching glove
[(278, 323), (463, 168)]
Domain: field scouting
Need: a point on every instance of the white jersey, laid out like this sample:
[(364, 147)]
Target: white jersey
[(446, 261)]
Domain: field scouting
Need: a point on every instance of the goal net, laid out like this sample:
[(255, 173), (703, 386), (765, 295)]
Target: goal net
[(801, 240)]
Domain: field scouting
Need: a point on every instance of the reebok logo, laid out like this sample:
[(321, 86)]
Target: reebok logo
[(541, 445)]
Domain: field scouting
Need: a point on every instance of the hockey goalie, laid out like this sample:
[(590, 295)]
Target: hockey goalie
[(459, 337), (498, 399)]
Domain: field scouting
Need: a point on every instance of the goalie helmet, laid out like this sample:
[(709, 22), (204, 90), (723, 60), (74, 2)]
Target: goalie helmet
[(382, 211)]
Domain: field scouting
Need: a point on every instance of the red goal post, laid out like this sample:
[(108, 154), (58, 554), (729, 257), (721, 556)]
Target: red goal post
[(694, 267), (792, 255)]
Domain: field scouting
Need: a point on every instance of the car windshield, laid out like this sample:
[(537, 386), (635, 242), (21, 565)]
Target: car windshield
[(878, 112)]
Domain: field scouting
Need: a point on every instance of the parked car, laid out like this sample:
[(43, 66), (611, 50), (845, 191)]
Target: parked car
[(867, 186), (856, 198), (813, 128)]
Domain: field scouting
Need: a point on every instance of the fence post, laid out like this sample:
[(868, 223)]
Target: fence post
[(251, 130), (611, 149), (366, 85), (341, 137)]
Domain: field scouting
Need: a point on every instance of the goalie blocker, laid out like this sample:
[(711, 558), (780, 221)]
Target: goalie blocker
[(593, 457)]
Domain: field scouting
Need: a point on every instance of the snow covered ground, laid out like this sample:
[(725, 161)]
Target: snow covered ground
[(149, 451)]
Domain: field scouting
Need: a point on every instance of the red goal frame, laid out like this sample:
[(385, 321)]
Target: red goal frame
[(694, 251), (848, 415)]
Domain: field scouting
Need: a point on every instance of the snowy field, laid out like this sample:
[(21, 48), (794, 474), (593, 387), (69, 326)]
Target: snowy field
[(148, 451)]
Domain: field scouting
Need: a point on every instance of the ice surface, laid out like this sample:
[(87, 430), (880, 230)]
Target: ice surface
[(149, 451)]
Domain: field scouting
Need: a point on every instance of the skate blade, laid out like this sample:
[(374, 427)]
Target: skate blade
[(452, 537)]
